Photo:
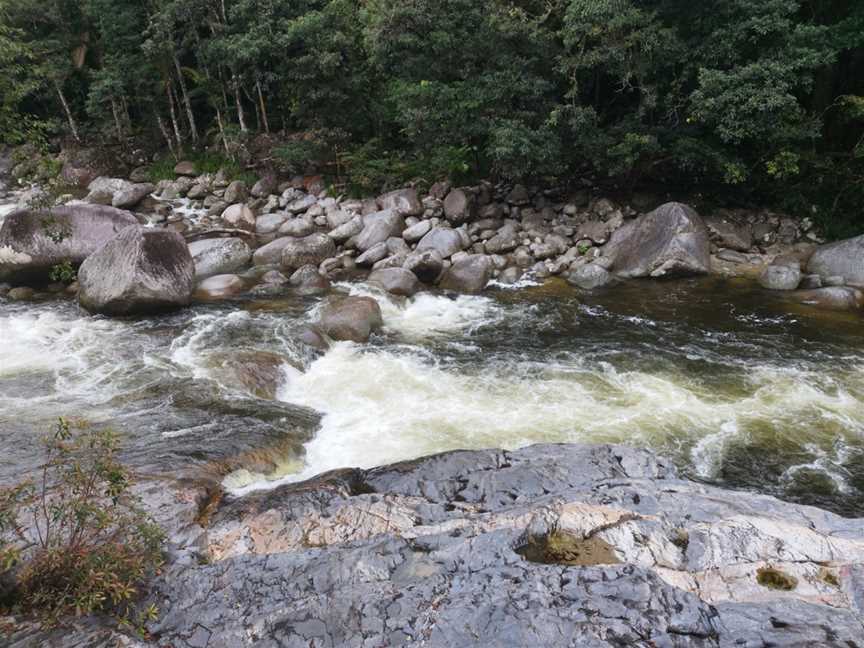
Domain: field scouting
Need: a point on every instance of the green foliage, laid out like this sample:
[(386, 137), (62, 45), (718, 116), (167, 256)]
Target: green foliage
[(744, 100), (75, 540), (63, 273)]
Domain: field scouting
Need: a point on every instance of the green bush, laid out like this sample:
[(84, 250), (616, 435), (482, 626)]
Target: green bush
[(75, 540)]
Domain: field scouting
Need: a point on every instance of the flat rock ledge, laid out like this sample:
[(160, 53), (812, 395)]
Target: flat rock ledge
[(551, 545)]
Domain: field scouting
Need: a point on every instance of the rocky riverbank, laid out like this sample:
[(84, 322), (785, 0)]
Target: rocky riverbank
[(553, 545), (291, 235)]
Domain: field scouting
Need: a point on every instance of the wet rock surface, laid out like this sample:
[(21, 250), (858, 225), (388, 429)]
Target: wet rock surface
[(552, 545)]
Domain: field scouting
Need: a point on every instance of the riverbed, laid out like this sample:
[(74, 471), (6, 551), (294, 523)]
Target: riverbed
[(737, 386)]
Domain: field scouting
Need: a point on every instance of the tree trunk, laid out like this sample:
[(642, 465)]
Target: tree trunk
[(239, 101), (222, 133), (165, 134), (174, 121), (69, 117), (263, 106), (116, 114), (193, 129)]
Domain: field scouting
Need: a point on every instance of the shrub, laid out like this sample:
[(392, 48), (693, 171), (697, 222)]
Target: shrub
[(75, 540)]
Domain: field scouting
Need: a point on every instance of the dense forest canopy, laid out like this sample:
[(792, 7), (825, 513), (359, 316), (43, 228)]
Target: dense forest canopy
[(755, 98)]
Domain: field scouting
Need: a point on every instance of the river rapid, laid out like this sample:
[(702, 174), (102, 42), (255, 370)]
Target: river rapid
[(738, 387)]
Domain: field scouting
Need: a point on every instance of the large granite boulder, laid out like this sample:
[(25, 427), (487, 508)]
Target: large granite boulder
[(397, 281), (312, 249), (468, 275), (351, 319), (219, 256), (141, 270), (445, 241), (841, 259), (780, 277), (671, 241), (403, 201), (239, 216), (378, 227), (32, 241)]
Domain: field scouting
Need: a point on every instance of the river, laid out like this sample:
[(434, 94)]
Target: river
[(738, 387)]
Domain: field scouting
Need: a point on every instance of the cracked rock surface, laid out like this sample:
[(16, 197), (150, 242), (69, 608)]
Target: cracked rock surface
[(551, 545)]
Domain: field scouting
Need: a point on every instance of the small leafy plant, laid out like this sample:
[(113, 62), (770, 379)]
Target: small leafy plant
[(75, 540), (63, 272)]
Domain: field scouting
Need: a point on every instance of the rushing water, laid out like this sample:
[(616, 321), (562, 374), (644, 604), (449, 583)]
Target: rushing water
[(737, 386)]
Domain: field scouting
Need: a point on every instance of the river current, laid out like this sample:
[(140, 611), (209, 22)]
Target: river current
[(737, 387)]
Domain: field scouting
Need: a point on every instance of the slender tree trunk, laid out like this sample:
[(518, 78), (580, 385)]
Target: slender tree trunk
[(174, 121), (193, 129), (116, 113), (69, 117), (263, 106), (126, 116), (222, 133), (239, 101), (254, 103), (167, 135)]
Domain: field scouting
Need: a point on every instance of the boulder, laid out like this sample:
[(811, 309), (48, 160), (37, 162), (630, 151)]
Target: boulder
[(271, 254), (219, 256), (397, 281), (402, 201), (220, 286), (839, 298), (590, 276), (445, 241), (506, 240), (309, 250), (239, 216), (780, 277), (141, 270), (426, 266), (843, 258), (270, 223), (671, 241), (297, 227), (459, 206), (351, 319), (373, 255), (236, 192), (101, 190), (468, 275), (417, 231), (345, 231), (308, 281), (265, 186), (186, 168), (32, 242), (729, 234), (378, 227)]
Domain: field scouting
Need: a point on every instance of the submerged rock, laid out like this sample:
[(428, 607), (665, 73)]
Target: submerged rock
[(351, 319), (840, 298), (780, 277), (141, 270), (32, 241), (671, 241)]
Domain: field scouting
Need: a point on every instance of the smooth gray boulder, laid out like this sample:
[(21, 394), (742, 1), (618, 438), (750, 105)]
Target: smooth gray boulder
[(402, 201), (459, 206), (397, 281), (780, 277), (839, 298), (271, 253), (417, 231), (130, 196), (468, 275), (239, 216), (219, 256), (141, 270), (309, 281), (309, 250), (351, 319), (378, 227), (32, 241), (671, 241), (729, 234), (841, 259), (443, 240), (590, 276)]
